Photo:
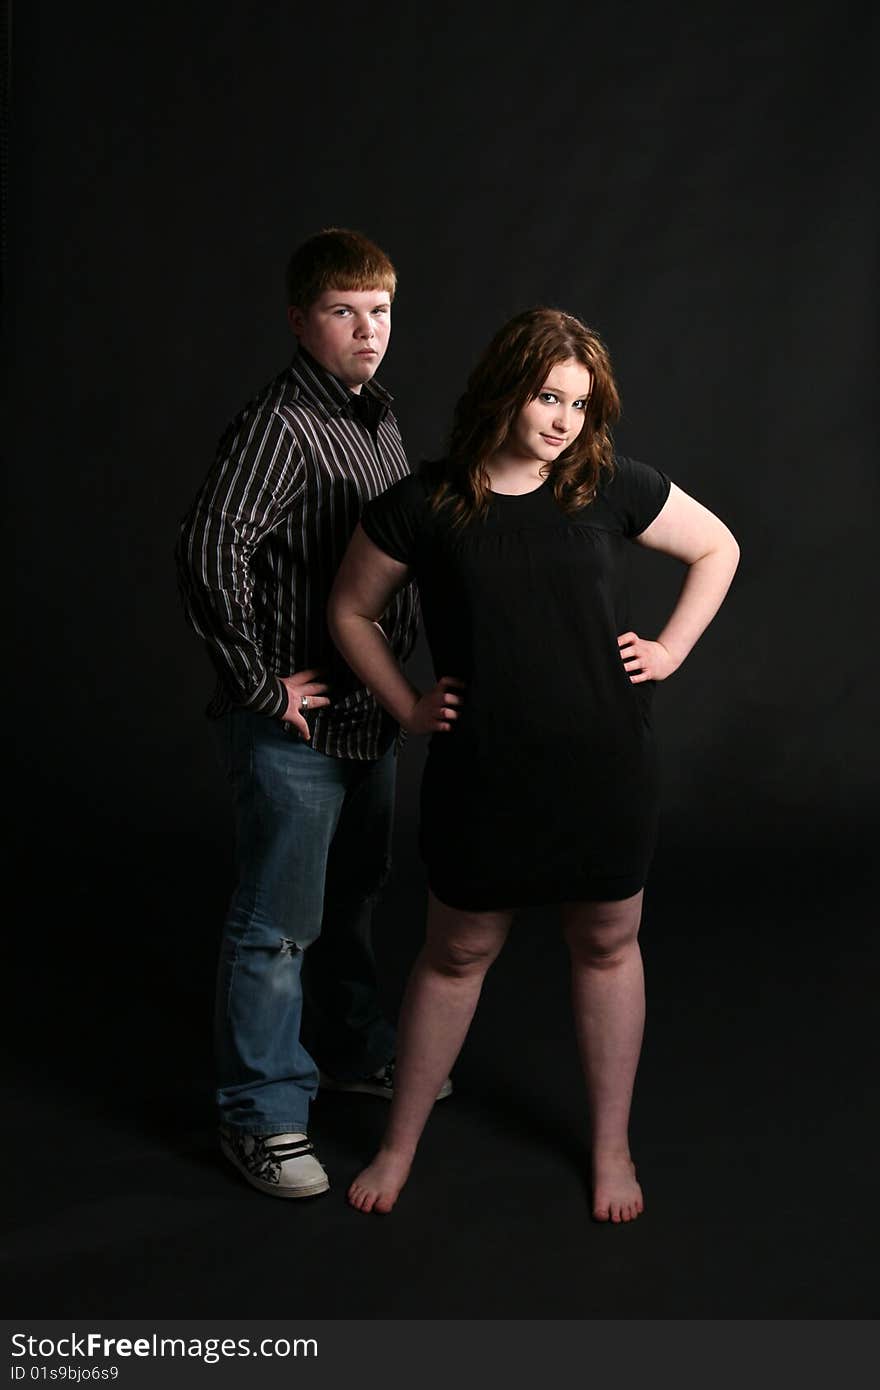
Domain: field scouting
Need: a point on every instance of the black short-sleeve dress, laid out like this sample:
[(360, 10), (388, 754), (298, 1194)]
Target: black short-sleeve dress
[(546, 789)]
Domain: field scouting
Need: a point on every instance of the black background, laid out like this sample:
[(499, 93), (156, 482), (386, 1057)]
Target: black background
[(694, 182)]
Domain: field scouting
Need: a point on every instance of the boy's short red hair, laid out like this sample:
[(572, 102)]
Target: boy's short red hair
[(339, 259)]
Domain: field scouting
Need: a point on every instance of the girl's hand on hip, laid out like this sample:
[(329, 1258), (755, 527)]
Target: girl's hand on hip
[(644, 660), (436, 712)]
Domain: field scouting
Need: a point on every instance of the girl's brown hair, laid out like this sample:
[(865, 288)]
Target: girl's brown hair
[(510, 373)]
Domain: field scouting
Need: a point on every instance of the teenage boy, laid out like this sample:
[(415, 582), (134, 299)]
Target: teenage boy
[(309, 753)]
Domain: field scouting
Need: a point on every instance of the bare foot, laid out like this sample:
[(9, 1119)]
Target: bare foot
[(616, 1194), (378, 1186)]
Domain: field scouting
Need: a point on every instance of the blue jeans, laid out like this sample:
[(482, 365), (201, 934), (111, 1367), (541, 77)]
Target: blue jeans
[(313, 838)]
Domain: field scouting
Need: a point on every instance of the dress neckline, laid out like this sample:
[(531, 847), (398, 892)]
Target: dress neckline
[(517, 496)]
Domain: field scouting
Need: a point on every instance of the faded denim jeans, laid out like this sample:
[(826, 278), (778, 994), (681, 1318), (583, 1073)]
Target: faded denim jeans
[(313, 837)]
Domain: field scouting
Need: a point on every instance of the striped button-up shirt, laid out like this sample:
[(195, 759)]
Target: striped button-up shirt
[(258, 550)]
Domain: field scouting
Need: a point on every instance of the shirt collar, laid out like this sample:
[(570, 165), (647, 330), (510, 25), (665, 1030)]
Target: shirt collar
[(325, 390)]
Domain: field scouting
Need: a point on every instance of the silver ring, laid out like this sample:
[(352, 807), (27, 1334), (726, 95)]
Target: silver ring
[(303, 702)]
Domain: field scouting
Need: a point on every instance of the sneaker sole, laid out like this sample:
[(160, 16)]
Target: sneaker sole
[(369, 1088), (274, 1189)]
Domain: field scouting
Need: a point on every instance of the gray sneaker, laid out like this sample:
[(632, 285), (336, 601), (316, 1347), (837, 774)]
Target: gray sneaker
[(282, 1165), (381, 1083)]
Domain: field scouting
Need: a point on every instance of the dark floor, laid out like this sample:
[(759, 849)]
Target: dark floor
[(752, 1125)]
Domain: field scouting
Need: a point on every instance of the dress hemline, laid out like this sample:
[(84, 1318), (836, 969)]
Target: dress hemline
[(487, 898)]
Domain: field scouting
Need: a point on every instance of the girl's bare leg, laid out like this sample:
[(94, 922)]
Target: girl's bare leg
[(437, 1009), (608, 996)]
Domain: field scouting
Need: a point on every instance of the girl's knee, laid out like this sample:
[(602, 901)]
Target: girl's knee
[(603, 934), (459, 958), (603, 951), (463, 944)]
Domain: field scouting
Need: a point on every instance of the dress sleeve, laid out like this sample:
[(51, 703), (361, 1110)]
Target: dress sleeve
[(394, 520), (637, 494)]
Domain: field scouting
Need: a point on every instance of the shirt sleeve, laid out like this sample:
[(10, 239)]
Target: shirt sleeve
[(394, 520), (258, 472), (636, 494)]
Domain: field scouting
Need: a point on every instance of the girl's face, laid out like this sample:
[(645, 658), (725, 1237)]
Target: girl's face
[(555, 417)]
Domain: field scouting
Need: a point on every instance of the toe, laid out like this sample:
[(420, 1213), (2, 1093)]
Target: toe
[(363, 1201)]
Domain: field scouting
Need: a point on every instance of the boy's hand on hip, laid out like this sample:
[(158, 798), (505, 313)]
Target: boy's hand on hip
[(305, 691)]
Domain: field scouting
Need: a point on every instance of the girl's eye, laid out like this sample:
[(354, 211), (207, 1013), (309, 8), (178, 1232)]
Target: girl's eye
[(580, 405), (547, 396)]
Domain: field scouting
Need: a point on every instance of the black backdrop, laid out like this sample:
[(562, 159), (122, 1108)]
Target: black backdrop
[(694, 181)]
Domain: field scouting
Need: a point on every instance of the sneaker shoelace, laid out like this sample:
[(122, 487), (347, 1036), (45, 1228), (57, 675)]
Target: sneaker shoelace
[(296, 1148)]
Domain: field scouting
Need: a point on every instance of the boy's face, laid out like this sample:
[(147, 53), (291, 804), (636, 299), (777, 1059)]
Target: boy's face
[(347, 331)]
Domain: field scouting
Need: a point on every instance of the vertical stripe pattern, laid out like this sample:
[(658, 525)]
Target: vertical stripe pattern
[(258, 550)]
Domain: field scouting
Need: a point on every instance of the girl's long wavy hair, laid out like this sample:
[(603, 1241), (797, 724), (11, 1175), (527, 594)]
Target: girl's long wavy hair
[(510, 374)]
